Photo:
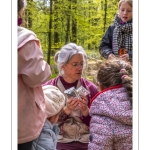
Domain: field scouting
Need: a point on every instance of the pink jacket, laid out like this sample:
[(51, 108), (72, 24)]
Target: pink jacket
[(111, 122), (33, 71)]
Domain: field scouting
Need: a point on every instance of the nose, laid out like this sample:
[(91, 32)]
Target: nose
[(80, 67), (125, 12)]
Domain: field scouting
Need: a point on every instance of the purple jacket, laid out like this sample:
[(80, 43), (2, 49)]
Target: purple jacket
[(111, 122), (74, 127), (85, 83)]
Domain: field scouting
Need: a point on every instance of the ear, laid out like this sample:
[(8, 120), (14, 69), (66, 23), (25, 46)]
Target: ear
[(63, 67), (117, 12), (101, 87), (98, 86)]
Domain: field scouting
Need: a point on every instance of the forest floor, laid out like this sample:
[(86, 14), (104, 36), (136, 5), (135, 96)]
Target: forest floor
[(91, 70)]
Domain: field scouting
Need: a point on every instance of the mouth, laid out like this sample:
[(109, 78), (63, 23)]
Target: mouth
[(125, 18), (79, 73)]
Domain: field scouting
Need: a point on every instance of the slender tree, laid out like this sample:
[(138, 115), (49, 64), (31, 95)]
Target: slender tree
[(105, 14), (56, 14), (74, 22), (67, 39), (50, 33)]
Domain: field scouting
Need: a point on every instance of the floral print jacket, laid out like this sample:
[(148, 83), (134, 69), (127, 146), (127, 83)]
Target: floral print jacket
[(111, 122)]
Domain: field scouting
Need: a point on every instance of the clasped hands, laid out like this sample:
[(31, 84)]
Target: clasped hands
[(80, 103)]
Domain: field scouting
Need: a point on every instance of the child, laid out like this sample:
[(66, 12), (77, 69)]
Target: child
[(111, 108), (54, 101), (117, 40)]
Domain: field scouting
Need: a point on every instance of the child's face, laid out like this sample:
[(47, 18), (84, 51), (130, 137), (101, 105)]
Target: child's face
[(125, 12), (54, 119)]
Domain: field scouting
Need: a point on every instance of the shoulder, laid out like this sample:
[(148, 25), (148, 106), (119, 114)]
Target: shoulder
[(51, 81), (109, 31), (46, 136), (22, 30), (25, 35), (89, 84), (111, 28)]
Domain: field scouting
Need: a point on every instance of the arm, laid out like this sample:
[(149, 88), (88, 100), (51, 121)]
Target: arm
[(101, 135), (70, 106), (83, 106), (31, 65), (105, 47), (93, 91)]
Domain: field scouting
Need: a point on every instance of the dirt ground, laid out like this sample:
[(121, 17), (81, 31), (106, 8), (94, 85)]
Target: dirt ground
[(91, 70)]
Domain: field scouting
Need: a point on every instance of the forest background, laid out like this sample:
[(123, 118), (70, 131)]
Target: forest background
[(57, 22)]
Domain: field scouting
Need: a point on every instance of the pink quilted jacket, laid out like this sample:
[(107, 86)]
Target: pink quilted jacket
[(111, 122), (33, 71)]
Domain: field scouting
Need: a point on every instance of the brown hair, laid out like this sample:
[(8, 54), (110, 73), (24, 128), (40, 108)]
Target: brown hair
[(114, 72), (21, 4)]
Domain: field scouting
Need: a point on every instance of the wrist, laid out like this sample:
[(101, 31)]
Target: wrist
[(67, 110), (85, 112), (111, 56)]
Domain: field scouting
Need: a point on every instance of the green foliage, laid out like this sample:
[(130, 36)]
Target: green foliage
[(92, 18)]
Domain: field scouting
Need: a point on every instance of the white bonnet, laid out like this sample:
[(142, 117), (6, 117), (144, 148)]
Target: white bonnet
[(54, 100)]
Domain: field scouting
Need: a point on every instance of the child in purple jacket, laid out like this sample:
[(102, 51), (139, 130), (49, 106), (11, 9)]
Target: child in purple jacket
[(111, 108), (74, 119)]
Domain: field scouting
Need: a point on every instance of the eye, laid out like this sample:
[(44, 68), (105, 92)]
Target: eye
[(128, 10), (81, 65), (74, 64)]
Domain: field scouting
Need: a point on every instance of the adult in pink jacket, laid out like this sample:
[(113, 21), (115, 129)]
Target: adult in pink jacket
[(33, 71)]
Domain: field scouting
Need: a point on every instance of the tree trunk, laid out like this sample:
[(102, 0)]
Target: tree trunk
[(74, 22), (105, 14), (49, 34), (67, 39), (56, 34)]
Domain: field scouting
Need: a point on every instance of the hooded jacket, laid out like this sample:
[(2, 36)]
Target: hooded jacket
[(111, 120), (47, 139), (33, 71)]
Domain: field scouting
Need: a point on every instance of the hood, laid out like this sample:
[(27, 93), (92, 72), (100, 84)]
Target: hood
[(113, 103), (25, 35)]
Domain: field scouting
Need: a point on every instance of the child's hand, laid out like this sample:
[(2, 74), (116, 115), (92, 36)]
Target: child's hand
[(125, 57), (111, 56)]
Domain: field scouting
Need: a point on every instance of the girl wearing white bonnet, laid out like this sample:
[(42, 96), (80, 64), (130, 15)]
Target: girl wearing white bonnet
[(54, 102)]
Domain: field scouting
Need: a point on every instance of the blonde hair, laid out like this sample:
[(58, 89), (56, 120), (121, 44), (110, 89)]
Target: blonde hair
[(21, 4), (125, 1)]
